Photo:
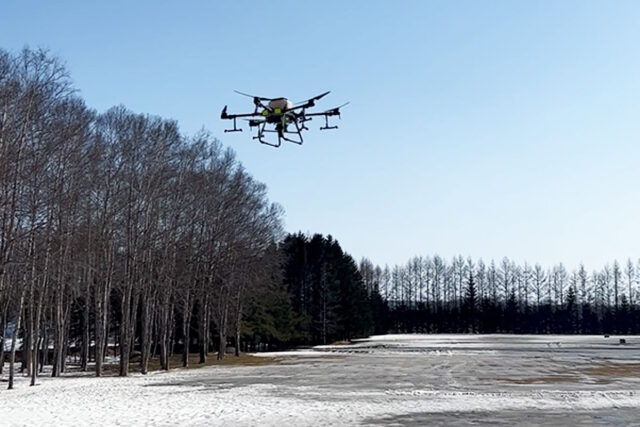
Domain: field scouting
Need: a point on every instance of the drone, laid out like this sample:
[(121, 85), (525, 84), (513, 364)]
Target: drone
[(281, 117)]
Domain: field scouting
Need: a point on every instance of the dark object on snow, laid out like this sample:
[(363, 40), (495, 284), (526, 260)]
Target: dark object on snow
[(623, 341), (606, 336)]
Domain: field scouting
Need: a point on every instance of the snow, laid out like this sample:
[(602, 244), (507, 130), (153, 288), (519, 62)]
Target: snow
[(392, 379), (7, 344)]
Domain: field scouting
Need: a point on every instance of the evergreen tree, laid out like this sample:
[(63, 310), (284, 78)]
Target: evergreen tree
[(571, 313), (328, 291), (511, 323), (270, 317), (623, 316), (470, 304)]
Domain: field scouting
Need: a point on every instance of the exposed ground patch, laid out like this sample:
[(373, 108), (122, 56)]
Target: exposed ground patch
[(541, 380)]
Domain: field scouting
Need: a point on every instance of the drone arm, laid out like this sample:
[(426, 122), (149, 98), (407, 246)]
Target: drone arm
[(326, 115), (331, 112), (224, 115)]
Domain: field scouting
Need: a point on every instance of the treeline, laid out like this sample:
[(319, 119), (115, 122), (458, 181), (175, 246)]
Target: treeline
[(328, 296), (118, 232), (121, 238), (429, 294)]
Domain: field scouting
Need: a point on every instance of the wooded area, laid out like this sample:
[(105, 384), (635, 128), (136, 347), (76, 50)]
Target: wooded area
[(327, 291), (123, 240), (427, 294), (116, 230)]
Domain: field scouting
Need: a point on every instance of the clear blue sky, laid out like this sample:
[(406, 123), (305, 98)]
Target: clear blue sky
[(481, 128)]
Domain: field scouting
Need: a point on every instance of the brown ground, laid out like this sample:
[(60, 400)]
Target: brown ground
[(599, 373), (613, 370), (176, 362), (540, 380)]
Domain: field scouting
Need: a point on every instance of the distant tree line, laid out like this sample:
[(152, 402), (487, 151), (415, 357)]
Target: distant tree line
[(429, 294)]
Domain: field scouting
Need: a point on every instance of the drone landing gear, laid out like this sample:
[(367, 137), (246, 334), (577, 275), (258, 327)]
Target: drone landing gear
[(303, 120), (298, 132), (326, 124), (282, 134), (260, 136), (235, 128)]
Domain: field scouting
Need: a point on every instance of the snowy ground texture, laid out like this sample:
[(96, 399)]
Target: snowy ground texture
[(385, 380)]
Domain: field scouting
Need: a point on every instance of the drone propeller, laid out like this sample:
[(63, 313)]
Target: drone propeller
[(336, 110), (315, 98), (261, 98)]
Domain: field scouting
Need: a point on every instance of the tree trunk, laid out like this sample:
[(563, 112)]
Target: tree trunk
[(16, 330), (84, 357), (146, 332), (222, 343), (172, 332), (102, 313), (59, 334), (165, 334), (36, 344), (237, 350), (238, 325), (186, 329), (28, 338), (204, 329), (65, 342), (125, 328), (3, 326), (44, 353)]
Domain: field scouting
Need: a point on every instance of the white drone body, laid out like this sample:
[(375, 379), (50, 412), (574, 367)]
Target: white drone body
[(282, 104)]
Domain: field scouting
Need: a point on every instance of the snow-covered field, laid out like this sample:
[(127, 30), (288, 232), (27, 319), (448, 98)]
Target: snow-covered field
[(384, 380)]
